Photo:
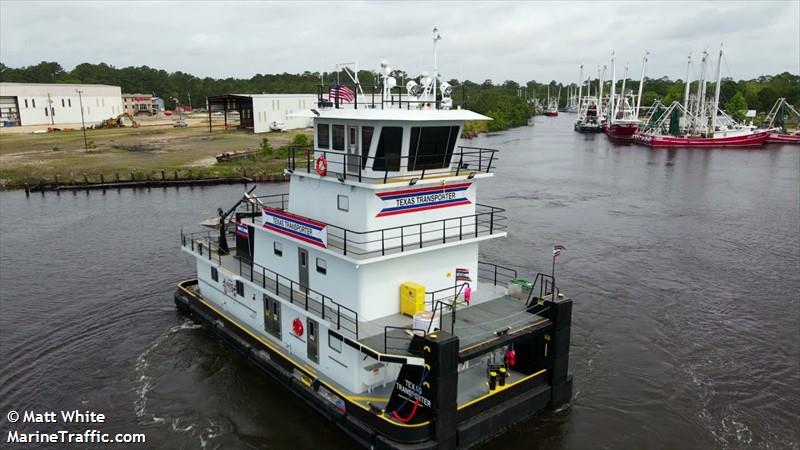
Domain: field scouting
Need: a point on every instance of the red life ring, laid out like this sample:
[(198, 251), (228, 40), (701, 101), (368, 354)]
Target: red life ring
[(297, 327), (321, 166)]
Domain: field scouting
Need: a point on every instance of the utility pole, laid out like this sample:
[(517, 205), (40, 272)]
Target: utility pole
[(83, 124)]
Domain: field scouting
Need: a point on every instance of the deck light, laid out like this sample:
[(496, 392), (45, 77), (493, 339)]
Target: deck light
[(413, 181), (471, 175), (340, 177)]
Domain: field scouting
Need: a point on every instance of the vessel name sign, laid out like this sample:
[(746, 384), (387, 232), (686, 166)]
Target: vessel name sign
[(422, 199), (300, 228)]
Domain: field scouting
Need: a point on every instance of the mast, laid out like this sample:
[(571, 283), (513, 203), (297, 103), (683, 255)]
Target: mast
[(688, 82), (580, 91), (716, 92), (622, 91), (641, 84), (600, 94), (701, 89), (613, 110)]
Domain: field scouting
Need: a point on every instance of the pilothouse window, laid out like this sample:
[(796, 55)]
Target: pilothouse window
[(431, 147), (387, 155), (323, 135), (338, 137)]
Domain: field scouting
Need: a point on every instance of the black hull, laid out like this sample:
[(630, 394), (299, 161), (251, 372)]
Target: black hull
[(588, 129), (473, 426)]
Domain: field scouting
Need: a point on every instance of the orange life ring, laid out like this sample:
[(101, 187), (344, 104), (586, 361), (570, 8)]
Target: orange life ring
[(321, 166), (297, 327)]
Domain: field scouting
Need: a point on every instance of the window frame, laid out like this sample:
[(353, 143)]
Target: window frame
[(214, 274), (327, 145), (331, 338), (383, 163), (334, 128), (239, 288), (346, 207), (277, 248), (323, 268)]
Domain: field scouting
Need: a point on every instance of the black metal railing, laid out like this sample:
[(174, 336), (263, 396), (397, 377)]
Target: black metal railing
[(462, 160), (339, 316), (495, 273), (398, 339), (486, 220), (373, 97), (546, 286)]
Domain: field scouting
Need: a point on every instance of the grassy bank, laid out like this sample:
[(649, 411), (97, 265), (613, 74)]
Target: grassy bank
[(28, 158)]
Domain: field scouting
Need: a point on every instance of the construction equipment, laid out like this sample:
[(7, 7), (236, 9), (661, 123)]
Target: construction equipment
[(116, 122)]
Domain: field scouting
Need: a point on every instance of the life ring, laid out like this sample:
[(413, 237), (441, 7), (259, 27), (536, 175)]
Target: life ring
[(297, 327), (321, 166)]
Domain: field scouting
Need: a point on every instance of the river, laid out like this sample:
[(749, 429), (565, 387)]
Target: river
[(684, 265)]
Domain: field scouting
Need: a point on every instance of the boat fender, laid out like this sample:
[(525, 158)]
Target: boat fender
[(321, 166), (297, 327), (511, 357)]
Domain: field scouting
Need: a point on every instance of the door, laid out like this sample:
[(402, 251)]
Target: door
[(302, 263), (313, 340), (272, 316), (353, 150)]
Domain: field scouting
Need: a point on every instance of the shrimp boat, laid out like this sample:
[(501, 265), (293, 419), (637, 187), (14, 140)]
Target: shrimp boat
[(589, 108), (699, 123), (552, 104), (361, 290), (776, 123), (624, 116)]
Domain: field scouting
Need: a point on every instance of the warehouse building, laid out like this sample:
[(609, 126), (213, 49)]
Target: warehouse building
[(261, 113), (57, 104)]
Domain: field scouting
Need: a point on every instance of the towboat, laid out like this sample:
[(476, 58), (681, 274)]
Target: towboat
[(361, 290)]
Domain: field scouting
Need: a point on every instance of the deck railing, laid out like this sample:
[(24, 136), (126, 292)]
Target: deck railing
[(486, 220), (462, 160), (341, 318)]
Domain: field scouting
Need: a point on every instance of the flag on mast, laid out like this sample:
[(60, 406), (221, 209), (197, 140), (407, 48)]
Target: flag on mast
[(344, 93), (557, 249), (462, 274)]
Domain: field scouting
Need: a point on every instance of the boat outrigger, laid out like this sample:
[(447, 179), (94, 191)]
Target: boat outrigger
[(776, 122), (698, 123), (361, 290), (590, 109)]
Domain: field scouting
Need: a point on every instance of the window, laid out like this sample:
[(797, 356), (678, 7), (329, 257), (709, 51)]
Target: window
[(45, 111), (366, 141), (69, 102), (52, 111), (62, 103), (214, 274), (33, 102), (239, 288), (26, 102), (387, 155), (343, 202), (323, 135), (322, 266), (431, 147), (277, 248), (338, 137), (334, 342)]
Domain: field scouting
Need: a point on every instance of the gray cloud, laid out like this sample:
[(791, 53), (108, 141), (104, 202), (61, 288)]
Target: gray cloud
[(520, 41)]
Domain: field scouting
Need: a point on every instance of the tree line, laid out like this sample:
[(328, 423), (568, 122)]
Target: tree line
[(508, 103)]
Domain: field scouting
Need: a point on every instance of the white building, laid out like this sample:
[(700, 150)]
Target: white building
[(57, 104), (263, 113)]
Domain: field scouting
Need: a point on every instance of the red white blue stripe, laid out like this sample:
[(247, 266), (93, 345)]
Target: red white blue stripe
[(242, 230), (297, 227), (423, 199)]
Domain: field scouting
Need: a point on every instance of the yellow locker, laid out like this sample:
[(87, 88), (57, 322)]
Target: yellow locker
[(412, 298)]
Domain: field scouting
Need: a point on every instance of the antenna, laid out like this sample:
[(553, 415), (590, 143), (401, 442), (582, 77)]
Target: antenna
[(436, 38)]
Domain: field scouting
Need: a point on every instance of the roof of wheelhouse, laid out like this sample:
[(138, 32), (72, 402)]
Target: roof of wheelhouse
[(411, 115)]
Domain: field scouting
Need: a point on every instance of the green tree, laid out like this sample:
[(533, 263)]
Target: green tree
[(737, 107)]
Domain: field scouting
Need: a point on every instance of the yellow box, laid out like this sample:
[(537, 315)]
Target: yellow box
[(412, 298)]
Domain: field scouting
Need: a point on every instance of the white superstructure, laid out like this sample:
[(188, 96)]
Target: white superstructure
[(57, 104)]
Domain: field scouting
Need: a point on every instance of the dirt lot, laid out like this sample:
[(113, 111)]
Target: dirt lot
[(27, 158)]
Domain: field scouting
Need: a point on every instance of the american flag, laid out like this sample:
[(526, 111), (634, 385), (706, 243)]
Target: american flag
[(462, 274), (343, 92), (557, 249)]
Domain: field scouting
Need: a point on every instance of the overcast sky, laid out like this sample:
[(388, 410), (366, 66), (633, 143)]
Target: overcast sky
[(518, 41)]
